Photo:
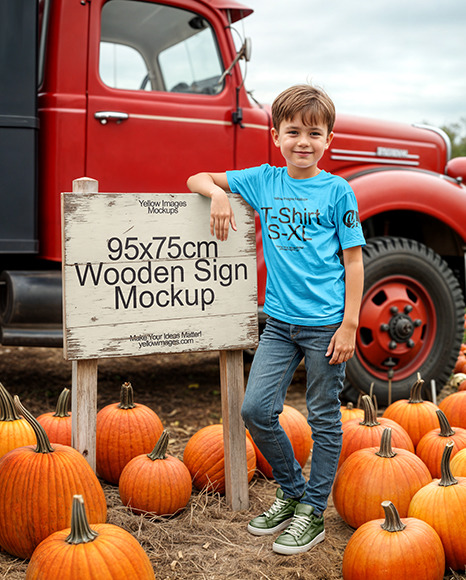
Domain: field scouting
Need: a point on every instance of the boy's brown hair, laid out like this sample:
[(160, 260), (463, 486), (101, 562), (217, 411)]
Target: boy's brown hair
[(313, 104)]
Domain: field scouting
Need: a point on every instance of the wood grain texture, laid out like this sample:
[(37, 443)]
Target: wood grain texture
[(142, 274)]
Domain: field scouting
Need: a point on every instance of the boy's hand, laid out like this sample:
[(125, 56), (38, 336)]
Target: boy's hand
[(221, 215), (341, 346)]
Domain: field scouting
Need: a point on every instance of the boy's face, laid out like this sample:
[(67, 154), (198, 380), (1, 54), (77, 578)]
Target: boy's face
[(301, 145)]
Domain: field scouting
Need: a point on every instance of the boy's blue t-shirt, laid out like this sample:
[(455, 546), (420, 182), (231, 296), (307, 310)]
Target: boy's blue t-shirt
[(304, 224)]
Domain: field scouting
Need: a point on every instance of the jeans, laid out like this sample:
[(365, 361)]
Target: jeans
[(281, 348)]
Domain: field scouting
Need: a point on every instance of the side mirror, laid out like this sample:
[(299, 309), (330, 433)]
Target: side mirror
[(243, 53), (246, 49)]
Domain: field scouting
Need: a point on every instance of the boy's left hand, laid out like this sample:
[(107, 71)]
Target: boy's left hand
[(341, 346)]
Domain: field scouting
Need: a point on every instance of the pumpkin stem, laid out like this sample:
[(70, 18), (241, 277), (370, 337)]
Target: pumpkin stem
[(415, 394), (349, 405), (392, 521), (43, 442), (7, 407), (81, 532), (63, 404), (445, 428), (386, 449), (370, 417), (126, 397), (160, 449), (445, 470)]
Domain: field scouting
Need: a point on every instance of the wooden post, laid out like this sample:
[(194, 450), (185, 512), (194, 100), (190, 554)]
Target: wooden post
[(234, 433), (84, 408), (84, 380)]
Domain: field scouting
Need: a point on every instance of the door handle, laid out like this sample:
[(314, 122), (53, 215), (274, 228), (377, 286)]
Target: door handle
[(105, 116)]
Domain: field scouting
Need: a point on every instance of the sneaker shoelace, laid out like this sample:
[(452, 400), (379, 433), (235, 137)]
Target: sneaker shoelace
[(277, 505), (298, 525)]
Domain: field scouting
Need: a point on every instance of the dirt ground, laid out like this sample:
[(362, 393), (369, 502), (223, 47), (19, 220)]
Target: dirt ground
[(207, 540)]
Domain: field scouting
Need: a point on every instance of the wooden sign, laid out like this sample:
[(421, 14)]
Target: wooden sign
[(142, 274)]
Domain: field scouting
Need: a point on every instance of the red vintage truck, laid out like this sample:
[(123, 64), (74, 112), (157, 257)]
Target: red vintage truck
[(141, 94)]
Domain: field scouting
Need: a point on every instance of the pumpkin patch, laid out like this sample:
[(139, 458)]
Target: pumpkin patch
[(206, 531)]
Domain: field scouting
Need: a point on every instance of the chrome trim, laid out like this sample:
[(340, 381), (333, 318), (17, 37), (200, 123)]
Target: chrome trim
[(181, 119), (440, 132), (256, 126), (375, 153), (374, 159), (105, 116)]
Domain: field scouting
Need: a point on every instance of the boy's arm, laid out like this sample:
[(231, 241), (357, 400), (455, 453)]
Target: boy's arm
[(342, 344), (215, 186)]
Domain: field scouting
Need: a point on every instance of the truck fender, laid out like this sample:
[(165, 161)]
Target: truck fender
[(379, 191)]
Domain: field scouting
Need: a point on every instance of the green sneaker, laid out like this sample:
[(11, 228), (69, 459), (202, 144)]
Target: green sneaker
[(276, 518), (305, 531)]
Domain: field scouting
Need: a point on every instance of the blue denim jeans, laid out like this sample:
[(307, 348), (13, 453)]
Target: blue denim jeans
[(281, 348)]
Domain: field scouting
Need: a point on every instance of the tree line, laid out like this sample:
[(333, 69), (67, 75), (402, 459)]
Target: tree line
[(457, 133)]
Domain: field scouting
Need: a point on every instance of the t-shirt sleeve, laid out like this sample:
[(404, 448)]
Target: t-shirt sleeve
[(248, 183), (347, 220)]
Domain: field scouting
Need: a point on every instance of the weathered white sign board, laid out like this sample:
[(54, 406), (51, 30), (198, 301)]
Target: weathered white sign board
[(142, 274)]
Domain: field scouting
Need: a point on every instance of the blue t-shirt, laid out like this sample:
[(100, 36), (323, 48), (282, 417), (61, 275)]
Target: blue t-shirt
[(304, 224)]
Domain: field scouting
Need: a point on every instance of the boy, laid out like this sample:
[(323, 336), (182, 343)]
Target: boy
[(307, 215)]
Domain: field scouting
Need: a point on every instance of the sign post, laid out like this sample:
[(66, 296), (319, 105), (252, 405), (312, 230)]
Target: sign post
[(143, 275)]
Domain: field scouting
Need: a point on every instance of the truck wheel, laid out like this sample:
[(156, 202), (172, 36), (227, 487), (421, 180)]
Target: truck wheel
[(411, 320)]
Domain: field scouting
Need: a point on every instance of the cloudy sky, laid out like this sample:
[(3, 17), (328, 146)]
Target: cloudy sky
[(402, 60)]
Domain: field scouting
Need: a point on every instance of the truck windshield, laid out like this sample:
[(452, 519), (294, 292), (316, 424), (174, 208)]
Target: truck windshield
[(155, 47)]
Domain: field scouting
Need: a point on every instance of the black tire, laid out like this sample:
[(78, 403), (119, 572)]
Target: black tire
[(424, 286)]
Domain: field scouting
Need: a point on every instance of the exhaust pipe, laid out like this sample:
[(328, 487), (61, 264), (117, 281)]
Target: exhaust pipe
[(31, 308)]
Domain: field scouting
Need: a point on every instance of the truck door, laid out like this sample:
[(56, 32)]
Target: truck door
[(156, 112)]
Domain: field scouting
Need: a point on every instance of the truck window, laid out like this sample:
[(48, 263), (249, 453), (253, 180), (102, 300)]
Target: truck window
[(121, 67), (147, 46)]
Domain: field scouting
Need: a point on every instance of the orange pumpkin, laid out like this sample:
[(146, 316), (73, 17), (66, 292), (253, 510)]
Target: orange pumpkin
[(156, 483), (299, 433), (97, 551), (124, 430), (430, 448), (441, 504), (415, 415), (458, 463), (351, 412), (368, 475), (37, 485), (14, 430), (454, 407), (460, 365), (204, 456), (368, 432), (57, 424), (405, 549)]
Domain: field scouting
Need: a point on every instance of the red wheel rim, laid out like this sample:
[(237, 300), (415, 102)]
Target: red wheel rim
[(397, 327)]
